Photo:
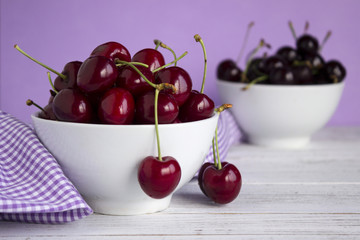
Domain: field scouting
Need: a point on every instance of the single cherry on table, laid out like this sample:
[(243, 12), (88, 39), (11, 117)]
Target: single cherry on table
[(222, 185)]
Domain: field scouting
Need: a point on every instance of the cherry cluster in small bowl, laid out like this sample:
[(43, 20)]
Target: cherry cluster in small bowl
[(299, 65)]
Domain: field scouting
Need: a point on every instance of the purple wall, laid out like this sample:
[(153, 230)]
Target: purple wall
[(57, 32)]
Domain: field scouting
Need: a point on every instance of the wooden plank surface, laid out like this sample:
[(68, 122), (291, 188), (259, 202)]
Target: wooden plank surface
[(312, 193)]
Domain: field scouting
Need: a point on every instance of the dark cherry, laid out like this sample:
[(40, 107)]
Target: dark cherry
[(289, 54), (335, 71), (153, 58), (71, 70), (48, 113), (256, 69), (168, 109), (70, 105), (52, 95), (224, 185), (96, 74), (116, 106), (129, 79), (200, 175), (177, 120), (320, 77), (112, 50), (229, 71), (273, 62), (159, 179), (283, 75), (307, 45), (302, 74), (316, 61), (197, 107), (177, 77)]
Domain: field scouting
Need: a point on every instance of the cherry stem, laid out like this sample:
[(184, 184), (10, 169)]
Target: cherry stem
[(292, 30), (48, 68), (252, 54), (30, 102), (334, 78), (157, 43), (256, 80), (51, 83), (306, 28), (214, 154), (250, 25), (163, 45), (198, 39), (303, 63), (217, 150), (223, 107), (135, 63), (170, 63), (157, 123), (160, 86), (326, 38), (138, 71)]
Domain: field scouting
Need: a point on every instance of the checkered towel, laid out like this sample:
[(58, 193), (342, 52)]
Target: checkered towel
[(33, 187)]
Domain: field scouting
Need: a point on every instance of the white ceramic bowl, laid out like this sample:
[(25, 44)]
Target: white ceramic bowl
[(280, 116), (102, 160)]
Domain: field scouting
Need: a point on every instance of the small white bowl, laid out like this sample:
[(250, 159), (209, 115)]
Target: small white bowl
[(102, 160), (280, 116)]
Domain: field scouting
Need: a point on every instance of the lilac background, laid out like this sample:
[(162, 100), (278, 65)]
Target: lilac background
[(57, 32)]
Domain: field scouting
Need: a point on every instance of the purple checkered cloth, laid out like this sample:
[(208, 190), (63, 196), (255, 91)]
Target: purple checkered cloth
[(33, 188)]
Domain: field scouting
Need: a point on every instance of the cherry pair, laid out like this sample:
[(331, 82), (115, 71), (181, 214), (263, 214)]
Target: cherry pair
[(220, 181)]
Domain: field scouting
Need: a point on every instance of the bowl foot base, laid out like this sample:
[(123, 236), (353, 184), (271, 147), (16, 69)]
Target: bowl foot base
[(290, 143), (129, 207)]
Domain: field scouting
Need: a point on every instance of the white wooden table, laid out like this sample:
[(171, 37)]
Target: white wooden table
[(312, 193)]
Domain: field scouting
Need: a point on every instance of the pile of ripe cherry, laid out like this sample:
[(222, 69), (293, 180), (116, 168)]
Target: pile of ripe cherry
[(288, 66), (111, 87)]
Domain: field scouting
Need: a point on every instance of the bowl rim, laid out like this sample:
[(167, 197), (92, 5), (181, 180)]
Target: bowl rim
[(279, 86), (35, 117)]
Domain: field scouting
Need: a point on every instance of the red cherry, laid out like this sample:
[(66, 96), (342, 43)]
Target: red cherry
[(177, 77), (49, 113), (71, 105), (198, 106), (177, 121), (200, 175), (52, 95), (116, 106), (71, 70), (157, 178), (129, 79), (168, 109), (153, 58), (96, 74), (112, 50), (222, 186)]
